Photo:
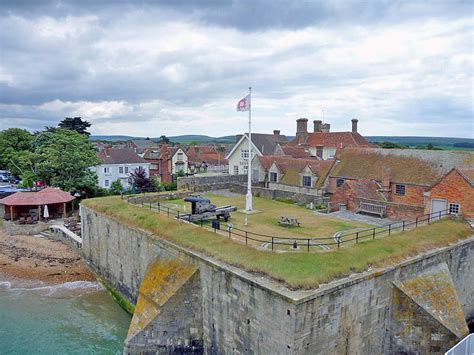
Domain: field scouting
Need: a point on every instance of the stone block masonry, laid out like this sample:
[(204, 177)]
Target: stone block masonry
[(209, 183), (190, 302)]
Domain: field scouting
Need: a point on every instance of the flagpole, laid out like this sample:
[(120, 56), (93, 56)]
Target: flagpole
[(248, 199)]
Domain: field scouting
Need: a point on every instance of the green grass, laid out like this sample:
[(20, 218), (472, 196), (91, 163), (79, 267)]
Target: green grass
[(266, 221), (296, 270)]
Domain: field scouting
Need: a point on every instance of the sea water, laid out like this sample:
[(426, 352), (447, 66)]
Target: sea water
[(71, 318)]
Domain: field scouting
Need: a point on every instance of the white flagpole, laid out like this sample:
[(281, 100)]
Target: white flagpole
[(248, 200)]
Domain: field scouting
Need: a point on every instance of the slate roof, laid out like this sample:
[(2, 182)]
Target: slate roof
[(46, 196), (119, 156), (266, 143), (409, 166), (141, 144), (291, 168), (334, 140)]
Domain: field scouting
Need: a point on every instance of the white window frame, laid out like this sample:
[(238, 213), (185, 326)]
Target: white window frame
[(244, 154), (303, 181), (126, 170), (180, 156), (120, 169), (106, 170), (454, 208), (273, 176), (106, 183), (236, 170)]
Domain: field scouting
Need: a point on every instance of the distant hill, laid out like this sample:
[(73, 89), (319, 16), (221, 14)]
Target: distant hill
[(440, 142), (111, 138), (176, 139)]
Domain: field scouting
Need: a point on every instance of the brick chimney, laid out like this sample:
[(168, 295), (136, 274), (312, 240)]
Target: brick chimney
[(301, 130), (325, 127), (237, 137), (276, 132), (317, 125), (386, 177), (354, 125)]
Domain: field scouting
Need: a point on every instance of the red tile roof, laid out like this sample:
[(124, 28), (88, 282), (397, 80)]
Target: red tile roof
[(46, 196), (365, 189), (334, 140), (206, 154)]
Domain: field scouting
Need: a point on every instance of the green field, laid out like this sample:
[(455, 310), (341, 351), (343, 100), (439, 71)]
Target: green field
[(296, 270)]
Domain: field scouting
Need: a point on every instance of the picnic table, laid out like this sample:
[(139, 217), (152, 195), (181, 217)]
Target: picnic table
[(288, 221)]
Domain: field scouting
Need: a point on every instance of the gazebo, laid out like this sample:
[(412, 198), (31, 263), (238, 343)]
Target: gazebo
[(31, 206)]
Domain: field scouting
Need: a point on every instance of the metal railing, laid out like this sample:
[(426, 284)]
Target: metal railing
[(298, 242)]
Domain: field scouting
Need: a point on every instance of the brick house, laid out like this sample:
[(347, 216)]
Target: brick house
[(453, 192), (398, 181), (322, 143), (166, 162)]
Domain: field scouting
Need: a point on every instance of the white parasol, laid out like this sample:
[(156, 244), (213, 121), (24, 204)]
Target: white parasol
[(45, 212)]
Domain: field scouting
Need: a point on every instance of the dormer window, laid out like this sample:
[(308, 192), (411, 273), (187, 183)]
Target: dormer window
[(306, 181), (273, 177), (180, 156)]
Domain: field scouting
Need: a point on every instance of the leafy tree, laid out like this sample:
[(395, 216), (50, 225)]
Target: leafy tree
[(140, 180), (13, 141), (75, 124), (164, 139), (430, 146), (116, 187), (391, 145), (63, 158)]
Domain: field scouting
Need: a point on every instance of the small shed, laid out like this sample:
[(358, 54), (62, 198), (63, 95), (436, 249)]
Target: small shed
[(31, 204)]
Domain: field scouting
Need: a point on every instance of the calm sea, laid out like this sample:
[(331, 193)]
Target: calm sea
[(71, 318)]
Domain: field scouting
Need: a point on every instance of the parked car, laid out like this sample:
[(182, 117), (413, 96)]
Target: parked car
[(4, 177), (13, 179)]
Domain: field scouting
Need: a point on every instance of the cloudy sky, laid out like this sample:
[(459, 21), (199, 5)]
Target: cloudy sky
[(179, 67)]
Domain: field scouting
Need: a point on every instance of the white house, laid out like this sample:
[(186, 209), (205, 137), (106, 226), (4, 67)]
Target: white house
[(262, 144), (117, 164)]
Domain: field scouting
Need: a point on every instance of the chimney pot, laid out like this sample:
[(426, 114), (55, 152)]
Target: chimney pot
[(317, 125), (276, 132), (301, 130), (354, 125)]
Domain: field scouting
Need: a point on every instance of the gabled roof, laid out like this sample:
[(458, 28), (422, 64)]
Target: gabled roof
[(334, 140), (46, 196), (468, 174), (291, 168), (120, 156), (409, 166), (152, 153), (265, 144)]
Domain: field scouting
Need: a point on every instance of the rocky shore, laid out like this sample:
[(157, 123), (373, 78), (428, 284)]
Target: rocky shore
[(41, 258)]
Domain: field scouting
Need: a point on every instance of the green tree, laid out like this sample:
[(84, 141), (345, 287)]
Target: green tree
[(13, 141), (116, 187), (75, 124), (164, 139), (430, 146), (63, 158)]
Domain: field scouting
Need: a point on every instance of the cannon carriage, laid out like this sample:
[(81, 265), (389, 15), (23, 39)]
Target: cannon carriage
[(203, 209)]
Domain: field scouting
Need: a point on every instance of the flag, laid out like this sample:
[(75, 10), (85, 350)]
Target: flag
[(244, 104)]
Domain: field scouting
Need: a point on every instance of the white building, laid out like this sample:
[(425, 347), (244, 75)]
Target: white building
[(117, 164), (262, 144)]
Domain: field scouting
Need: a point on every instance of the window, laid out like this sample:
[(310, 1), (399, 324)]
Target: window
[(126, 170), (106, 170), (339, 182), (244, 154), (246, 169), (454, 208), (319, 152), (236, 170), (154, 166), (120, 169), (400, 189), (273, 177), (180, 156), (307, 181), (106, 183)]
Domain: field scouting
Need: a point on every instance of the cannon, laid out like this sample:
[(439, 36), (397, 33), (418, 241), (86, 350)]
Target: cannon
[(202, 209)]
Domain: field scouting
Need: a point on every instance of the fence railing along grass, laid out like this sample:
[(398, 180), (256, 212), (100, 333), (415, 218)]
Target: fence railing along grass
[(295, 242)]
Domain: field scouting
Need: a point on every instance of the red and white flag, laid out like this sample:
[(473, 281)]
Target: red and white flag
[(244, 104)]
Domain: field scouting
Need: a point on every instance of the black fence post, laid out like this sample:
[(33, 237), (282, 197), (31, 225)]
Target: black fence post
[(272, 243), (389, 229), (439, 214), (178, 214), (373, 234), (429, 214), (403, 226), (168, 211), (308, 245), (142, 203), (416, 222), (201, 222), (338, 242), (357, 238), (150, 204), (246, 238), (158, 206)]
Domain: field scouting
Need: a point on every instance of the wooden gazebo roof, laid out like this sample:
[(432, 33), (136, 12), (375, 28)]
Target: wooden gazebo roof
[(46, 196)]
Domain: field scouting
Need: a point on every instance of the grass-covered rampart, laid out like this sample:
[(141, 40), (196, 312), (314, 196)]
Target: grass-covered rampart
[(296, 270)]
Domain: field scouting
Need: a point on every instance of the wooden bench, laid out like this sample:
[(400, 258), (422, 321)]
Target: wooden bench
[(372, 208), (288, 221)]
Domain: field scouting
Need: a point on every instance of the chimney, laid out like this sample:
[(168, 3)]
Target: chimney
[(325, 127), (317, 126), (386, 178), (276, 132), (354, 125), (237, 137), (301, 130)]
